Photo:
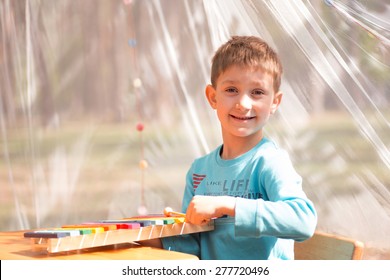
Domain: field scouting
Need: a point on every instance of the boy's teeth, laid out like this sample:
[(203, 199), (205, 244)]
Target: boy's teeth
[(243, 118)]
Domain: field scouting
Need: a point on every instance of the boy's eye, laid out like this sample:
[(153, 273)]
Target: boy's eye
[(257, 92), (231, 90)]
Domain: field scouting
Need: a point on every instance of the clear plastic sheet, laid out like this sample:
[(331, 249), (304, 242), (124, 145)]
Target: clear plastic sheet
[(102, 106)]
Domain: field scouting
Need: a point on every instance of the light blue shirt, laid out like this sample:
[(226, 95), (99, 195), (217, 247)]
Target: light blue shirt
[(271, 208)]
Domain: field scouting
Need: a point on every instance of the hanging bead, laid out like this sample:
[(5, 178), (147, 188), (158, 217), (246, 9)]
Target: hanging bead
[(140, 127), (137, 83), (132, 42), (143, 164)]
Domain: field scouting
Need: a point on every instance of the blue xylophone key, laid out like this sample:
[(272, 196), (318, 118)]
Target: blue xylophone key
[(35, 234), (51, 233)]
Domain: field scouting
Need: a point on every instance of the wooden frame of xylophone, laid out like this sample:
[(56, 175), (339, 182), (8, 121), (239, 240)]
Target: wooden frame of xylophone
[(110, 232)]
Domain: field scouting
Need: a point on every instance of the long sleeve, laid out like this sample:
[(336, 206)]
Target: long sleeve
[(284, 211)]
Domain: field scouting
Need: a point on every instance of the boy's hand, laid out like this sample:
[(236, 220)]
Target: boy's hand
[(204, 208)]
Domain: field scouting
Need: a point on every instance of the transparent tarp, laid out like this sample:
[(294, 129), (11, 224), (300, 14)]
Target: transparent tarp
[(102, 106)]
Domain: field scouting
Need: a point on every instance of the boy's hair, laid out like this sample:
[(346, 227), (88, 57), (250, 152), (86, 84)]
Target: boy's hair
[(247, 51)]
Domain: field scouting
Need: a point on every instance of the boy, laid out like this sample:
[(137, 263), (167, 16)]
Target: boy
[(248, 185)]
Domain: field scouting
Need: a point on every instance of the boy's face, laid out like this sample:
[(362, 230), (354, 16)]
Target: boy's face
[(244, 99)]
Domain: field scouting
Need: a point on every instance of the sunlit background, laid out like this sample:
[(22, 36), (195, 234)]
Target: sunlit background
[(102, 106)]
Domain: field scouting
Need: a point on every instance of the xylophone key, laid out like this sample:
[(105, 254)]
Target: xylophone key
[(169, 221), (51, 233), (40, 234), (85, 231)]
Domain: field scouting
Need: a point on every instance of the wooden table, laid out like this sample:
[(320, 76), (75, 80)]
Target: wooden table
[(13, 246)]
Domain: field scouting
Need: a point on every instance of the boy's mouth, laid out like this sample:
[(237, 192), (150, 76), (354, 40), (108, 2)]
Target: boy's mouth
[(242, 118)]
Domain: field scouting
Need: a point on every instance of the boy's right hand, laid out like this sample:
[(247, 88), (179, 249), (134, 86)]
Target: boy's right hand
[(204, 208)]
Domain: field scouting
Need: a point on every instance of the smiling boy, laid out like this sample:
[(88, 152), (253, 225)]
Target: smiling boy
[(248, 184)]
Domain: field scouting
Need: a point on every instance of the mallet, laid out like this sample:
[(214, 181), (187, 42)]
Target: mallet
[(170, 213)]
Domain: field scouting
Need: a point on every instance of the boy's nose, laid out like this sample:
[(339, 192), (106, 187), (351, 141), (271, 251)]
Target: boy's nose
[(244, 103)]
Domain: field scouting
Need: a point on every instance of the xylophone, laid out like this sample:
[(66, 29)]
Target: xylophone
[(110, 232)]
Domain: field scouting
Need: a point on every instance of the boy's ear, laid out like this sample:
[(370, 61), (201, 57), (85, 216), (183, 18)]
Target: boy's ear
[(211, 96), (276, 102)]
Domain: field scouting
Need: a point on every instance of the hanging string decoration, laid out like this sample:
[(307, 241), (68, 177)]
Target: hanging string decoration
[(137, 86)]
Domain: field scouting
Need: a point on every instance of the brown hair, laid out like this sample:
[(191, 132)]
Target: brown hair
[(247, 51)]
